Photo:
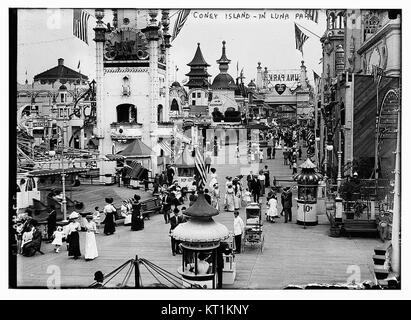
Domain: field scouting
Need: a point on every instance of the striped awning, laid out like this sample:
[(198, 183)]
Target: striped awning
[(165, 146), (134, 170), (114, 157)]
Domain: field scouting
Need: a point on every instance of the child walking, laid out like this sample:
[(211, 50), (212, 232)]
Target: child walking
[(58, 236)]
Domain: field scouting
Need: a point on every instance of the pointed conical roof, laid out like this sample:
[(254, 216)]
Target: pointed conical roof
[(201, 208), (136, 148), (198, 59), (223, 60)]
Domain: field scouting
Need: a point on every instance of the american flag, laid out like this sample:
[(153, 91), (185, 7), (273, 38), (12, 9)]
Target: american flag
[(181, 19), (312, 15), (200, 165), (80, 18), (300, 38)]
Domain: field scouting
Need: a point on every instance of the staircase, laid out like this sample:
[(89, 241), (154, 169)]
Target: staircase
[(381, 260)]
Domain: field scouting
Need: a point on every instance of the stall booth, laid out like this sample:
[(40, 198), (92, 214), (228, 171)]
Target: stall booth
[(200, 238), (307, 182), (185, 169)]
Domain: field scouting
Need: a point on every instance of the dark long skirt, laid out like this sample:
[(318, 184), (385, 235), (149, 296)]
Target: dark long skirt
[(74, 244), (109, 226), (136, 222)]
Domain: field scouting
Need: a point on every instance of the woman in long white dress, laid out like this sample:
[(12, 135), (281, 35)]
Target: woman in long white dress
[(90, 245), (272, 211), (229, 198), (213, 179), (215, 197)]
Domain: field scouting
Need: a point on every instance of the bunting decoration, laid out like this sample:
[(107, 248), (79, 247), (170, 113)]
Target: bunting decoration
[(80, 18), (200, 166), (181, 19), (312, 15)]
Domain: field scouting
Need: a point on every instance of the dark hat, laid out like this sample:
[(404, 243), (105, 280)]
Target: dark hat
[(109, 200), (98, 276), (137, 197), (89, 216), (176, 210), (79, 205)]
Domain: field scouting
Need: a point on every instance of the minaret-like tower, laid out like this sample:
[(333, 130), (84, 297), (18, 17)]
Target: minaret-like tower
[(223, 81), (100, 31), (165, 21), (259, 77)]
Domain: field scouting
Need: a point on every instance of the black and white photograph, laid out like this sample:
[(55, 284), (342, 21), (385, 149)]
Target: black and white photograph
[(210, 148)]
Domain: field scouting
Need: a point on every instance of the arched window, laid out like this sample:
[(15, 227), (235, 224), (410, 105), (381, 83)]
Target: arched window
[(126, 113), (160, 113), (174, 105)]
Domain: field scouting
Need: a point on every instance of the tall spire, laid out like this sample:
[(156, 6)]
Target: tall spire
[(223, 61)]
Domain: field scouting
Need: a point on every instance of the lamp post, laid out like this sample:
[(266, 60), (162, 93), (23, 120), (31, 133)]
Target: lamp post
[(63, 175)]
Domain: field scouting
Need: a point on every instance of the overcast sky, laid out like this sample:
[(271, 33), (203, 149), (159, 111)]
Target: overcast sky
[(45, 35)]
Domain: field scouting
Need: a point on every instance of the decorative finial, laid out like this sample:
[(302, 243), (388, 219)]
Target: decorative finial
[(198, 43), (223, 43)]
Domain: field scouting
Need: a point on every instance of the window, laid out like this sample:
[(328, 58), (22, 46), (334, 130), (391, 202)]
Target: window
[(174, 105), (198, 94), (193, 102), (193, 95), (62, 97)]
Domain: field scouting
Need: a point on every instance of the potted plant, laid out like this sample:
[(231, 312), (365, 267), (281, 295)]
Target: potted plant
[(359, 207)]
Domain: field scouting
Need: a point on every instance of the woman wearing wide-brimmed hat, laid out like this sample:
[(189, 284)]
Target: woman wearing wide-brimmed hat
[(109, 220), (73, 238), (90, 247)]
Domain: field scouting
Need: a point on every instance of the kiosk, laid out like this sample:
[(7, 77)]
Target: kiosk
[(307, 182), (200, 238)]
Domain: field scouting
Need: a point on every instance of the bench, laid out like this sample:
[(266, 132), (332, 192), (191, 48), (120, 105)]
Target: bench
[(150, 206), (38, 210), (359, 226)]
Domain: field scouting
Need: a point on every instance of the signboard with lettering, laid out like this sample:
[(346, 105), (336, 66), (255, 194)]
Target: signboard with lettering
[(281, 76)]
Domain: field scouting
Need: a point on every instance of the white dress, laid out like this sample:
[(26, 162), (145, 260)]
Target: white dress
[(58, 237), (213, 180), (90, 250), (272, 208)]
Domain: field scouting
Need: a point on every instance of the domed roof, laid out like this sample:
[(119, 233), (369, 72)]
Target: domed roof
[(223, 81), (201, 231), (176, 84)]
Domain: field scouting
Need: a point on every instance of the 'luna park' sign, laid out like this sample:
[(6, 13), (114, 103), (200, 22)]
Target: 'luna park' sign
[(250, 15)]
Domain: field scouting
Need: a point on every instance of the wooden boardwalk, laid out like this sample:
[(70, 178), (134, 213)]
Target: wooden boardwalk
[(292, 254)]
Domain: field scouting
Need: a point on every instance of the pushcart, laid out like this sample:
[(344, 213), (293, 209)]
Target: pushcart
[(253, 231)]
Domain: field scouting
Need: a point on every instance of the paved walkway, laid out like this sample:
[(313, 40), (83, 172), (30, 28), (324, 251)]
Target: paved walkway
[(292, 254)]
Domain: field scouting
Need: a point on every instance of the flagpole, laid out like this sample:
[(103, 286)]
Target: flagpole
[(308, 30)]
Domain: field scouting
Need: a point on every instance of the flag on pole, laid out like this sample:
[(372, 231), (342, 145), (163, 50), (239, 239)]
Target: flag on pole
[(181, 19), (200, 165), (316, 77), (312, 15), (80, 18), (300, 38)]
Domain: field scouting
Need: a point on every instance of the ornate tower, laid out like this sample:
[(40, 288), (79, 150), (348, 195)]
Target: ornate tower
[(131, 68), (198, 79)]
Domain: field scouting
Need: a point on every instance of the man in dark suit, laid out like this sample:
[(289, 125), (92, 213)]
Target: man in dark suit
[(255, 189), (174, 222), (287, 203), (166, 207), (249, 179), (207, 196), (170, 175)]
